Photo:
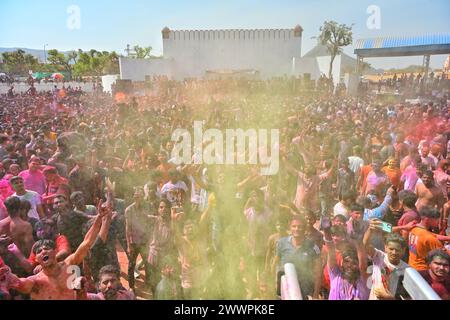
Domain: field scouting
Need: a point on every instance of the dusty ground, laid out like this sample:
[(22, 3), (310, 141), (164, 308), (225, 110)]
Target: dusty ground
[(141, 292)]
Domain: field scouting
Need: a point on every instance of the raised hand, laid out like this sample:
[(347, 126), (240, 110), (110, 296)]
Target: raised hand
[(375, 224), (103, 210)]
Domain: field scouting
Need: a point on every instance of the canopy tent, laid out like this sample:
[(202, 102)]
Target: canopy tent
[(48, 75), (425, 45)]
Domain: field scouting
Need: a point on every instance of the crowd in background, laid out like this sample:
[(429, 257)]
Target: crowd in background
[(360, 195)]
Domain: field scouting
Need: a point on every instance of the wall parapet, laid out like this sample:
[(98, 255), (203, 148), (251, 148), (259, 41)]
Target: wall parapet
[(232, 34)]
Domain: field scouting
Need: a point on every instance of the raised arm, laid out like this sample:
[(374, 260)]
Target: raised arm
[(206, 214), (444, 217), (104, 230), (125, 162), (360, 181), (374, 223), (362, 258), (331, 259), (24, 263), (90, 238), (40, 211), (380, 211), (23, 285)]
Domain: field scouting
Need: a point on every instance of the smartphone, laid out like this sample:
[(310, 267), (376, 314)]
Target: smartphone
[(386, 227)]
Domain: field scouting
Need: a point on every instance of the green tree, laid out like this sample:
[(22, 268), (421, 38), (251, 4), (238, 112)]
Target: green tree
[(59, 59), (111, 64), (96, 63), (19, 62), (335, 36)]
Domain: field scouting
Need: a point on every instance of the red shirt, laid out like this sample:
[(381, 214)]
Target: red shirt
[(407, 217), (59, 186), (442, 288), (61, 243)]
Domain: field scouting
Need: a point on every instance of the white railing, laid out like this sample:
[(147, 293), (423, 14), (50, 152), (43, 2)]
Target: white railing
[(413, 282), (290, 288), (417, 287)]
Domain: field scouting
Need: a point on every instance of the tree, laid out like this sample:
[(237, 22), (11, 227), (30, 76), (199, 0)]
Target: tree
[(19, 62), (59, 59), (96, 63), (111, 63), (335, 36)]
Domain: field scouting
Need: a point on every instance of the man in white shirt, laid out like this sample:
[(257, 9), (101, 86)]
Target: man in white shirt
[(36, 211), (175, 189), (388, 268), (343, 206), (355, 161)]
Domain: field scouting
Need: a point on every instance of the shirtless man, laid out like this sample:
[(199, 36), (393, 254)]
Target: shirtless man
[(21, 231), (428, 193), (53, 282)]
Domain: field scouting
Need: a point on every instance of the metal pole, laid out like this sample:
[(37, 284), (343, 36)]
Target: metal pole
[(427, 67), (45, 54)]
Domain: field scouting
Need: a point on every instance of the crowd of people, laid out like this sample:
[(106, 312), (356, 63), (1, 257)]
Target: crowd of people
[(361, 194), (411, 84)]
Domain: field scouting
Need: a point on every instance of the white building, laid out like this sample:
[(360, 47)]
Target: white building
[(317, 62), (194, 53)]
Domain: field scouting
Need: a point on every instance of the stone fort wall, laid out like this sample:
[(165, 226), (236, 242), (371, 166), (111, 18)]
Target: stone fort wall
[(191, 53), (269, 51)]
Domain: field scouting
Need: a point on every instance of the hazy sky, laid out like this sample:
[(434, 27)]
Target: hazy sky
[(110, 25)]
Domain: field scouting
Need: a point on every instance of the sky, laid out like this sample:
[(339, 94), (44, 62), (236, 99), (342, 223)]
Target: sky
[(111, 25)]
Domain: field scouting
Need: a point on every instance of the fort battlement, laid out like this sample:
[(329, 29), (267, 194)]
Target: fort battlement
[(232, 34)]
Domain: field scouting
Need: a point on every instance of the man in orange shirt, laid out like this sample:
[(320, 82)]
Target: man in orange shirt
[(393, 172), (362, 176), (421, 240)]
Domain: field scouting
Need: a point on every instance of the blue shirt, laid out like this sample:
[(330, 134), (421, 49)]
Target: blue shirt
[(379, 211), (303, 258)]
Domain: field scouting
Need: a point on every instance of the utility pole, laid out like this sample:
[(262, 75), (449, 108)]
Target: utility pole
[(127, 50), (45, 54)]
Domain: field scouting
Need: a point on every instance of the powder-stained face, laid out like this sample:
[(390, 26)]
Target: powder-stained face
[(109, 284), (163, 209), (440, 267), (427, 180), (14, 169), (45, 256), (138, 194), (297, 228), (78, 200), (34, 165), (350, 267), (60, 204), (392, 163), (376, 166), (18, 185), (394, 252), (425, 150)]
